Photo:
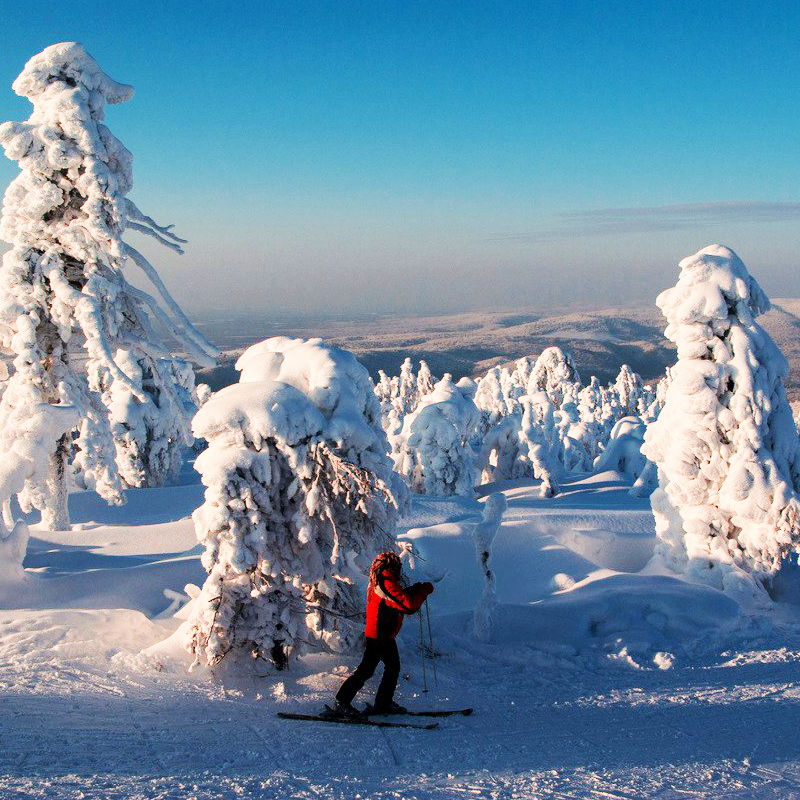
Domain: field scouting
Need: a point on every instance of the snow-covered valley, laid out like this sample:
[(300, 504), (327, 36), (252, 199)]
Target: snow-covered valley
[(621, 685)]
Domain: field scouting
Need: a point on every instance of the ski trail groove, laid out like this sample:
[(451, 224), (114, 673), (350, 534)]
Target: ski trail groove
[(390, 747)]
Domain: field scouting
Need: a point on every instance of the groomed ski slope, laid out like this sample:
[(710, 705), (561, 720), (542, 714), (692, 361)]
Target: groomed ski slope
[(599, 682)]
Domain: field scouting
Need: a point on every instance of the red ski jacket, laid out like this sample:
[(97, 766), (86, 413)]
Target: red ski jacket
[(387, 603)]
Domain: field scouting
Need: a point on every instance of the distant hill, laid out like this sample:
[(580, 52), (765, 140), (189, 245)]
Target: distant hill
[(470, 343)]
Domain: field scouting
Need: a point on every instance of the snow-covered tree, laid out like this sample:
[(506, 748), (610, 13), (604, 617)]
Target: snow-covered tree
[(521, 373), (623, 452), (590, 411), (150, 436), (725, 443), (483, 534), (383, 391), (553, 373), (540, 436), (630, 390), (300, 496), (62, 288), (406, 397), (499, 392), (577, 438), (490, 401), (659, 398), (425, 379), (26, 436), (504, 452), (434, 452)]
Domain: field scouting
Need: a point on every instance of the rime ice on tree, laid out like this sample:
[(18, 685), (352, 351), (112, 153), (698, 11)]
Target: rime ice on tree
[(540, 436), (61, 284), (504, 452), (425, 380), (300, 496), (433, 449), (483, 534), (553, 373), (724, 443)]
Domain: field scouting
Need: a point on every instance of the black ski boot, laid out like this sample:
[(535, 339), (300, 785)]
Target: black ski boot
[(384, 710), (340, 709)]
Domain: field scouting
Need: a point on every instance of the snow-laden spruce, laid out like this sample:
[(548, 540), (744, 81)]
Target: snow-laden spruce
[(405, 392), (300, 496), (577, 438), (630, 391), (491, 400), (540, 436), (725, 443), (432, 451), (554, 372), (425, 379), (504, 452), (623, 454), (65, 307)]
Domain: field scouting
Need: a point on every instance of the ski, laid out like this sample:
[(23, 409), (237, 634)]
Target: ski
[(368, 712), (356, 721)]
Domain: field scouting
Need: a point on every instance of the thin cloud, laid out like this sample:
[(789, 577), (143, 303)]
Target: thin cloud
[(655, 219)]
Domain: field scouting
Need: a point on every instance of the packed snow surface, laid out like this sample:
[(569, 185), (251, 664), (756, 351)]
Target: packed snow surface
[(598, 680)]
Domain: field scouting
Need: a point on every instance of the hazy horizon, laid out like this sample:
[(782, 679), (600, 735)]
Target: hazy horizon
[(414, 159)]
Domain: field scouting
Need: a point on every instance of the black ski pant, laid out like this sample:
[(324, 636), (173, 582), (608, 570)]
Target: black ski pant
[(377, 650)]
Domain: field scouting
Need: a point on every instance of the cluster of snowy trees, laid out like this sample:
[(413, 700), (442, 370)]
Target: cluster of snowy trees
[(534, 419), (101, 385), (715, 437)]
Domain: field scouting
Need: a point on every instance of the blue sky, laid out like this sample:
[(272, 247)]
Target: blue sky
[(443, 156)]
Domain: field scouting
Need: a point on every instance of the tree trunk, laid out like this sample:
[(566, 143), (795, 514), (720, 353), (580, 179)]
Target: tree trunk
[(55, 516)]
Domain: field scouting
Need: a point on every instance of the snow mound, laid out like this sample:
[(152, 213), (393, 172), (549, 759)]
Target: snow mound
[(644, 614)]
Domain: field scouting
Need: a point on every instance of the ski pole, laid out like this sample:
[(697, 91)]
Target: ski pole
[(430, 639), (422, 654)]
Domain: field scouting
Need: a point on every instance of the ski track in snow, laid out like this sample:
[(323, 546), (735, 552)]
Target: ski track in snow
[(85, 715)]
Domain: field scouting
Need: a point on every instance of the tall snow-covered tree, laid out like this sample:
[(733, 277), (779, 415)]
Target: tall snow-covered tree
[(539, 434), (554, 372), (724, 443), (425, 379), (433, 451), (490, 401), (504, 452), (630, 390), (576, 437), (383, 391), (151, 436), (658, 399), (300, 496), (65, 305), (406, 394)]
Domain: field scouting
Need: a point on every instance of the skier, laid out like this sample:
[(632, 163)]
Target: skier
[(387, 601)]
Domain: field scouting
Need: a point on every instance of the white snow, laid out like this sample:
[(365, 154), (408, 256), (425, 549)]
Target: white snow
[(599, 680)]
